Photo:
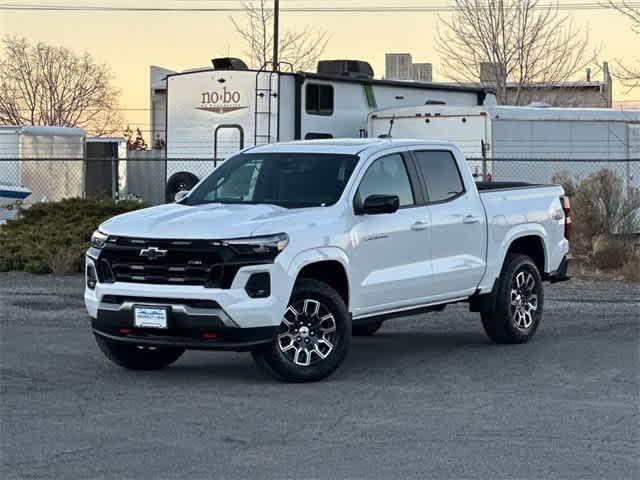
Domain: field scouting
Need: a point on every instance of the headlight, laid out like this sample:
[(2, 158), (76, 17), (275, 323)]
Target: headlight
[(273, 244), (98, 239)]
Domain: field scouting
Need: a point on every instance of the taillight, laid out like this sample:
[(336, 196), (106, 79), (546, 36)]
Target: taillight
[(566, 206)]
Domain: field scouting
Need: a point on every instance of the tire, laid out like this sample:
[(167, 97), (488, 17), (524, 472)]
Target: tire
[(315, 313), (177, 182), (516, 310), (134, 357), (366, 329)]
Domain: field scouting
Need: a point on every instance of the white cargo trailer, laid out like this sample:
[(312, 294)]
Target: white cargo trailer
[(46, 160), (577, 140), (213, 113)]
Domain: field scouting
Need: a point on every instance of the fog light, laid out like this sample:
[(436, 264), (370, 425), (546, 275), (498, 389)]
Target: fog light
[(259, 285), (92, 278)]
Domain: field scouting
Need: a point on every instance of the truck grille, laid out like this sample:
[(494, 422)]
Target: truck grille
[(171, 262)]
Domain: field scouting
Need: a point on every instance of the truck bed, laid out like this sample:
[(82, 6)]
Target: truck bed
[(489, 186)]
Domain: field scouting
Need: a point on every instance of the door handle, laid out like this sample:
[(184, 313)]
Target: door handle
[(419, 226), (471, 219)]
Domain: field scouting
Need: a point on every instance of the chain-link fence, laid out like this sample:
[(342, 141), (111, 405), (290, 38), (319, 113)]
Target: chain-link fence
[(156, 180)]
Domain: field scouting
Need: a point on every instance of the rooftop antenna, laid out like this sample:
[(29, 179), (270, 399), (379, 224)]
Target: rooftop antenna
[(388, 134), (391, 126)]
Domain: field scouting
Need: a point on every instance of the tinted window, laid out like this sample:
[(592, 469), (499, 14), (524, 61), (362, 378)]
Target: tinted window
[(387, 176), (441, 175), (317, 136), (291, 180), (319, 99)]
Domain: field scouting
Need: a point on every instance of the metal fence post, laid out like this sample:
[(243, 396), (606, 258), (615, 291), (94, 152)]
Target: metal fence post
[(114, 179), (484, 160)]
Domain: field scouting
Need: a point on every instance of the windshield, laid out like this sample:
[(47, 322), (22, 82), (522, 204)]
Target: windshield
[(291, 180)]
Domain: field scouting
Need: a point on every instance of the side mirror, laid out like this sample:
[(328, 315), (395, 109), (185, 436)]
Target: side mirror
[(378, 204), (181, 194)]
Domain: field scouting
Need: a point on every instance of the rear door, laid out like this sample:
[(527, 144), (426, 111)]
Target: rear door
[(458, 235), (389, 261)]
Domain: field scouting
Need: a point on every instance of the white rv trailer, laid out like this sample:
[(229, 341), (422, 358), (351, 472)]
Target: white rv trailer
[(213, 113), (577, 140), (30, 156)]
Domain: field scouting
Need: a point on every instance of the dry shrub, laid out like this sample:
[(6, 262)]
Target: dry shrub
[(609, 253), (600, 205), (631, 269), (65, 262)]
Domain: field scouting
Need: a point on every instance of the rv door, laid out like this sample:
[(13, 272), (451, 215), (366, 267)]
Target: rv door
[(227, 140)]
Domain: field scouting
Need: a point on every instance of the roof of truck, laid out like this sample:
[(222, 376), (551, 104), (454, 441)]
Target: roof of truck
[(341, 146)]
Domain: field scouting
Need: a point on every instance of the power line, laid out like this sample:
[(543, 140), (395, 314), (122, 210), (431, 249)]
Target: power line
[(299, 9)]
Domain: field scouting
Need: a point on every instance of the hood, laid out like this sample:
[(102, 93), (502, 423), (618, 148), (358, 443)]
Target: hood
[(208, 221)]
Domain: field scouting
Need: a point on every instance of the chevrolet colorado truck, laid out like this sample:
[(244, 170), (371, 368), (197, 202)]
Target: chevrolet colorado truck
[(287, 250)]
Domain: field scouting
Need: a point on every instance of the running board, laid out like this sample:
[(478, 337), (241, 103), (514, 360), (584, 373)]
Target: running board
[(407, 311)]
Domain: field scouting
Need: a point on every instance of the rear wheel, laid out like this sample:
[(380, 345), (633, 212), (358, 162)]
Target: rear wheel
[(314, 336), (136, 357), (517, 308), (366, 329)]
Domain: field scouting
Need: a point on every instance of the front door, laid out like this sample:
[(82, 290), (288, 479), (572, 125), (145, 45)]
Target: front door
[(390, 259)]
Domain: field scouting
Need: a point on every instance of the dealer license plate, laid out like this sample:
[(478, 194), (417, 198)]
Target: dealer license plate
[(149, 317)]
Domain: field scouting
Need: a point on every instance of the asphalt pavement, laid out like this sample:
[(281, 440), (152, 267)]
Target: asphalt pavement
[(427, 397)]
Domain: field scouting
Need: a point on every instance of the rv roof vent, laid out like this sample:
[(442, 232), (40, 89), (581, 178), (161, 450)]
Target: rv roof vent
[(229, 63), (435, 102), (346, 68)]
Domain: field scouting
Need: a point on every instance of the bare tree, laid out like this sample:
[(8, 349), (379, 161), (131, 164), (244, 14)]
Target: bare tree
[(511, 43), (42, 84), (300, 48), (628, 75)]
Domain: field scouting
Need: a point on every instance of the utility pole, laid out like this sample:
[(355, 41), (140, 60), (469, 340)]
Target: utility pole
[(276, 22)]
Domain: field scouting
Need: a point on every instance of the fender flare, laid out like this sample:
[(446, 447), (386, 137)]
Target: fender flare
[(315, 255), (520, 231)]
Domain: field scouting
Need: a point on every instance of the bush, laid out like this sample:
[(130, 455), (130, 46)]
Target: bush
[(53, 237), (610, 253), (631, 269), (600, 205)]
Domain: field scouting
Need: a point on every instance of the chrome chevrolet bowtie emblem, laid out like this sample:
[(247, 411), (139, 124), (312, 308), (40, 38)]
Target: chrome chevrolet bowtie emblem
[(153, 252)]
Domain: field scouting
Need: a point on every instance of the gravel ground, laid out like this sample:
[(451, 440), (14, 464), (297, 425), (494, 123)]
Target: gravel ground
[(428, 397)]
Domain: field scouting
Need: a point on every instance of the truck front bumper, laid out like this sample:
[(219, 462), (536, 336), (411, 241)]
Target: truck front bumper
[(241, 340), (194, 325), (197, 317)]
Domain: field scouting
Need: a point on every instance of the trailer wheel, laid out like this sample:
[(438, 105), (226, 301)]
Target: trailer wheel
[(179, 181)]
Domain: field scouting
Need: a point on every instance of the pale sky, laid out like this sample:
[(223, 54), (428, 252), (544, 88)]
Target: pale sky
[(130, 42)]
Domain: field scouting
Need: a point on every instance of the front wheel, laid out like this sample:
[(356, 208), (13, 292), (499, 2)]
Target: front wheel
[(135, 357), (517, 308), (314, 336)]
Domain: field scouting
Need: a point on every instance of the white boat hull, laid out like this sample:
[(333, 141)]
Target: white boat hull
[(12, 194)]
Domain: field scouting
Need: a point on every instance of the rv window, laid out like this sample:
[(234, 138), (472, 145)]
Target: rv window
[(317, 136), (319, 99)]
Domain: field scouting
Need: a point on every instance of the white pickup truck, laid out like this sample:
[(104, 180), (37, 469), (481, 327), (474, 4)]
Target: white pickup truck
[(287, 250)]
